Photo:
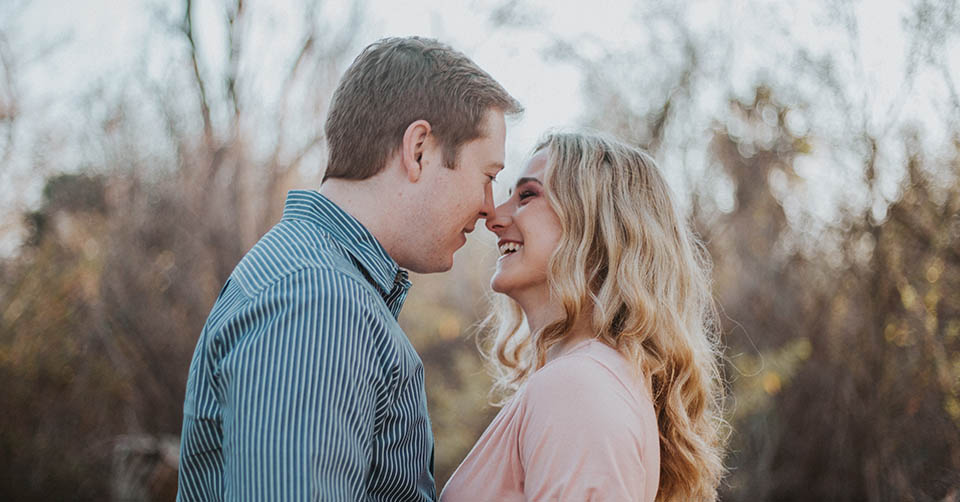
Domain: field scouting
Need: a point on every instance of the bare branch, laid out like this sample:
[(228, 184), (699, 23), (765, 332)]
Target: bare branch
[(951, 88), (305, 50), (187, 29), (234, 38), (8, 101)]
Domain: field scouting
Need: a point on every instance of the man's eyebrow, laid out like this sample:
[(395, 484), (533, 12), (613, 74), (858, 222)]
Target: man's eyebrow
[(524, 180)]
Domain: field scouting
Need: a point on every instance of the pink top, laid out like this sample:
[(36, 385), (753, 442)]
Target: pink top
[(582, 428)]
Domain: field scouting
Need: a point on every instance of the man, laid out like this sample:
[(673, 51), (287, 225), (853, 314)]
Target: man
[(302, 385)]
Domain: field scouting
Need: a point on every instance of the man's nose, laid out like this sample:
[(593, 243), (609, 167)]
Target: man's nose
[(487, 210)]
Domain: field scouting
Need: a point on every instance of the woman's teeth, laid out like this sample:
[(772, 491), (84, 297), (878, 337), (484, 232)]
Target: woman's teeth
[(510, 247)]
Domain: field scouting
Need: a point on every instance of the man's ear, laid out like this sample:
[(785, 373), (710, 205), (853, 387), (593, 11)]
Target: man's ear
[(411, 150)]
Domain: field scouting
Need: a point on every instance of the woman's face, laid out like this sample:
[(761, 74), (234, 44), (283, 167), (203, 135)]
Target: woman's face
[(528, 230)]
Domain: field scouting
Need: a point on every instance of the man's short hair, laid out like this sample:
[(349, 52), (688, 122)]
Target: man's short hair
[(396, 81)]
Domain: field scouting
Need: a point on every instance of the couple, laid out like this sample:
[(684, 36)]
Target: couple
[(304, 387)]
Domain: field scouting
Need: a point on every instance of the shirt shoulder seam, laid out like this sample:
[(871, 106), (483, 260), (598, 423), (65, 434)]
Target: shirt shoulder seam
[(322, 268)]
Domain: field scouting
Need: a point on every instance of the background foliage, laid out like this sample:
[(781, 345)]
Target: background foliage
[(842, 324)]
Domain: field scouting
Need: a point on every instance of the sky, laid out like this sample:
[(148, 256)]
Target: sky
[(69, 47), (95, 39)]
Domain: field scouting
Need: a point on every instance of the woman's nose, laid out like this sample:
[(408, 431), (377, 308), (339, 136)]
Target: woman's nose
[(499, 219)]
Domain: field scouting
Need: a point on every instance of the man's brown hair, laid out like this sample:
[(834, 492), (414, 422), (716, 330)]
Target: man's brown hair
[(396, 81)]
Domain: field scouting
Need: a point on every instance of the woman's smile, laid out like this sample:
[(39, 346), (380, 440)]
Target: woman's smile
[(508, 248)]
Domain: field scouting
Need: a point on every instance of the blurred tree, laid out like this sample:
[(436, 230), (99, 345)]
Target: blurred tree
[(842, 331), (179, 173), (843, 354), (857, 376), (52, 364)]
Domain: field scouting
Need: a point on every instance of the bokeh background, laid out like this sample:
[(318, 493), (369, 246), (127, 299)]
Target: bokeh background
[(145, 145)]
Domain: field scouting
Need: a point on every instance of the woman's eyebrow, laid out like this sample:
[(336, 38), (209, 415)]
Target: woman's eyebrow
[(522, 181)]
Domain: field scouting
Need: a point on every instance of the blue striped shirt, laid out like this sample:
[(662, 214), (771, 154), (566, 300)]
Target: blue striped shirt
[(302, 385)]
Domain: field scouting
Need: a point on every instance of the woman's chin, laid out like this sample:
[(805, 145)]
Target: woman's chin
[(499, 284), (496, 286), (515, 283), (501, 280)]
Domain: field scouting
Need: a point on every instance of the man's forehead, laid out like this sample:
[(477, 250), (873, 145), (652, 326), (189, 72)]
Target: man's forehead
[(490, 153)]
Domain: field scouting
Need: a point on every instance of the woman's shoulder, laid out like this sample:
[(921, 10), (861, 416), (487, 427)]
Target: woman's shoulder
[(594, 375), (579, 408), (592, 361)]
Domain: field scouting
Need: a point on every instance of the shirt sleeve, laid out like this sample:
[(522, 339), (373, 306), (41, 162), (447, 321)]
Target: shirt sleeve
[(301, 390), (579, 437)]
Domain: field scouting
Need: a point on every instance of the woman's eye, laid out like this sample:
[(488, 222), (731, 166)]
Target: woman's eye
[(526, 194), (492, 179)]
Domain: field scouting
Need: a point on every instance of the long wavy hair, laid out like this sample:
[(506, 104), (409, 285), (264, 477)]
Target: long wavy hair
[(629, 261)]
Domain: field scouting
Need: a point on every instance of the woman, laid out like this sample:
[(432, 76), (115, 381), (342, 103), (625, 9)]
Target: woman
[(606, 345)]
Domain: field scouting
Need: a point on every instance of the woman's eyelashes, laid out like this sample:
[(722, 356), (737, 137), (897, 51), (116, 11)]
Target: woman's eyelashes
[(525, 194)]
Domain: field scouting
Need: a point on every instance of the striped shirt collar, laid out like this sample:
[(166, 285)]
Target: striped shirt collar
[(311, 206)]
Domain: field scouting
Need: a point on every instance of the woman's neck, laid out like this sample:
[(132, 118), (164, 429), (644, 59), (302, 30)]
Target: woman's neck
[(580, 333), (541, 310)]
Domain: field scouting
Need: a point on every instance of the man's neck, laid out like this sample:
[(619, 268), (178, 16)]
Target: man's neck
[(365, 201)]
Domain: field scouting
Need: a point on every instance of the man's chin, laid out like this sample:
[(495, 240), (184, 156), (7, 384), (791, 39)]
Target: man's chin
[(432, 266)]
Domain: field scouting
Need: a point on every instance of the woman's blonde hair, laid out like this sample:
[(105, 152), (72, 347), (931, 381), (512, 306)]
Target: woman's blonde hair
[(629, 261)]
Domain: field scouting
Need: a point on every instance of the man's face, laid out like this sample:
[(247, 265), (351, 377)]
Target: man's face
[(454, 199)]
